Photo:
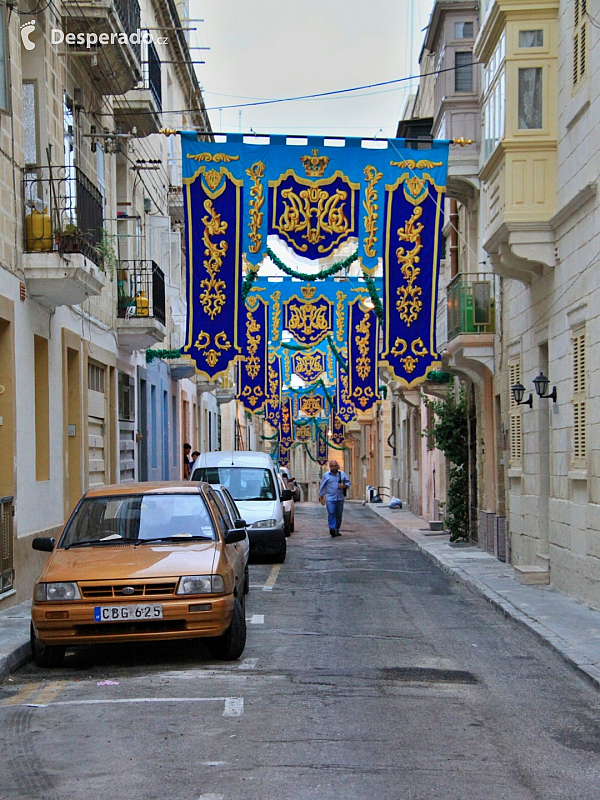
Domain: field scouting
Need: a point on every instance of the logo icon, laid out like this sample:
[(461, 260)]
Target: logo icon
[(27, 28), (128, 590)]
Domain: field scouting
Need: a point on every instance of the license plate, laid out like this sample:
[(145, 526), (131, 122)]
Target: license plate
[(123, 613)]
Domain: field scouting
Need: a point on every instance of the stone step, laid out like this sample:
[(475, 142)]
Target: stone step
[(529, 574), (436, 525), (543, 560)]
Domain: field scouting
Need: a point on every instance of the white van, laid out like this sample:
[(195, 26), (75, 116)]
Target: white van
[(252, 482)]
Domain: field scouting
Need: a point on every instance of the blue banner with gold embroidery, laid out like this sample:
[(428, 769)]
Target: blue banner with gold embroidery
[(314, 197), (363, 342), (309, 365), (311, 199), (213, 216), (272, 405), (322, 444), (252, 369), (303, 431), (413, 221), (338, 430), (283, 456), (286, 432), (344, 406)]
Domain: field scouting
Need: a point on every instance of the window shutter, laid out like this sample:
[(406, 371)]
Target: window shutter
[(579, 40), (516, 423), (579, 398)]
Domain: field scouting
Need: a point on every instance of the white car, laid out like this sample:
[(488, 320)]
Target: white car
[(252, 481)]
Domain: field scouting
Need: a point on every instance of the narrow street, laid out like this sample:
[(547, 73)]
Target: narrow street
[(367, 673)]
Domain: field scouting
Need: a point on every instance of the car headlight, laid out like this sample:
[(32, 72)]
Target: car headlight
[(201, 584), (264, 523), (56, 592)]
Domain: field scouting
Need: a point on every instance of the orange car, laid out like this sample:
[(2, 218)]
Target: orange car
[(142, 562)]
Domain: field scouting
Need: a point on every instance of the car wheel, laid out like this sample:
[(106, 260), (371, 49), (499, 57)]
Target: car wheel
[(246, 581), (46, 655), (279, 556), (231, 644)]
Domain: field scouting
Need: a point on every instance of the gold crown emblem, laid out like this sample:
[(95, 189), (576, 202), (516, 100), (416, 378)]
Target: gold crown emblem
[(315, 165), (308, 291)]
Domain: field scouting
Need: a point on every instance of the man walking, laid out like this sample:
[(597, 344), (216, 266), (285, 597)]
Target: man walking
[(332, 491)]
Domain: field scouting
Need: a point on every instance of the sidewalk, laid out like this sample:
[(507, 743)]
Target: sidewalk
[(558, 620), (14, 638)]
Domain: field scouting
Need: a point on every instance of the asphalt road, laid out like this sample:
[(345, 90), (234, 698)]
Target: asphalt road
[(367, 673)]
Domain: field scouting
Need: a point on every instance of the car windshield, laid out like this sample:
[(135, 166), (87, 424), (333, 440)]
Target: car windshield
[(138, 517), (244, 483)]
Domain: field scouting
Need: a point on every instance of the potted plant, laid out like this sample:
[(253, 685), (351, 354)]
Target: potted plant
[(69, 238)]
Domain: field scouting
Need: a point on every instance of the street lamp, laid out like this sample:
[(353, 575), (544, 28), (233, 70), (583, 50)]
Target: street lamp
[(541, 384), (518, 392)]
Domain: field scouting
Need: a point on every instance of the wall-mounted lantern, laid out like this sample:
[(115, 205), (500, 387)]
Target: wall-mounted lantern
[(541, 384), (518, 392)]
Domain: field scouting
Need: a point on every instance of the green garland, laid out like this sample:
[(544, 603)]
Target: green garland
[(309, 453), (251, 276), (375, 299), (319, 276), (164, 354), (328, 443)]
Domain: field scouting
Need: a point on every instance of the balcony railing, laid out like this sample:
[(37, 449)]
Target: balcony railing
[(154, 75), (471, 304), (129, 14), (63, 211), (6, 544), (141, 290)]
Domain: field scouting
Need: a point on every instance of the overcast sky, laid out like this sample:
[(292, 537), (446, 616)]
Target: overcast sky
[(265, 49)]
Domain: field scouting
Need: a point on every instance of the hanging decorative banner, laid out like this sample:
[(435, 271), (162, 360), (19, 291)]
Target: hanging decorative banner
[(308, 318), (309, 366), (344, 406), (213, 216), (313, 198), (272, 405), (284, 456), (411, 268), (322, 445), (302, 431), (338, 430), (363, 338), (286, 433), (312, 405), (252, 372)]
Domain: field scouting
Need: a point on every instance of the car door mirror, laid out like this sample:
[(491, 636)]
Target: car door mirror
[(286, 495), (241, 523), (43, 543), (235, 535)]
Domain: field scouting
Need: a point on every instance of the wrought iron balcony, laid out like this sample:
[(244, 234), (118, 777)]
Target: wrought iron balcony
[(471, 304), (141, 309), (140, 108), (116, 67), (63, 235)]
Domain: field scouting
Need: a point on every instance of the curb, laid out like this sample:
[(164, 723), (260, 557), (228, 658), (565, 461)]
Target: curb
[(590, 672), (15, 659)]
